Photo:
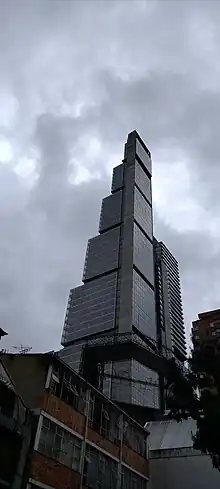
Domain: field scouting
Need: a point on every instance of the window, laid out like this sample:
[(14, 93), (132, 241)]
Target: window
[(100, 471), (137, 440), (143, 181), (143, 254), (143, 306), (143, 213), (70, 393), (215, 324), (58, 443), (143, 155), (67, 387), (130, 480), (105, 422), (91, 409)]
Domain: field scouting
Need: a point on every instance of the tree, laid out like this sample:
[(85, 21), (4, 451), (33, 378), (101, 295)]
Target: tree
[(194, 391)]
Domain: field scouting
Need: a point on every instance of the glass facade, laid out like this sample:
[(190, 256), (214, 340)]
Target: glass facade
[(143, 181), (117, 178), (91, 308), (115, 295), (111, 211), (72, 354), (143, 254), (102, 254), (145, 394), (121, 390), (143, 213), (143, 306), (144, 156)]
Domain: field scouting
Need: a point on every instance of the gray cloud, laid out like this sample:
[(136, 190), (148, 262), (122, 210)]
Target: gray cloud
[(76, 77)]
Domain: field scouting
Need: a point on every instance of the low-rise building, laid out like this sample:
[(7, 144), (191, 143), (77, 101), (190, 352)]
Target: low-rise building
[(81, 439), (173, 461)]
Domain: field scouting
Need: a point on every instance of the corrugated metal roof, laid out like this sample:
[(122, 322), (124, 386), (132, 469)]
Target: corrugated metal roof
[(169, 434)]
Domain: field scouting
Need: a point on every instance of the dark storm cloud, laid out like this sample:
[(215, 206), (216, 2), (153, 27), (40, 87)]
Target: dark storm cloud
[(75, 75), (43, 240)]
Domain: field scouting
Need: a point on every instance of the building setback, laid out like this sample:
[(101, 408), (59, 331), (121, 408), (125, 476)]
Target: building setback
[(80, 439)]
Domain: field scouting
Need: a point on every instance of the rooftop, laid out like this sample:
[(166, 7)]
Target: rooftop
[(168, 434), (208, 313)]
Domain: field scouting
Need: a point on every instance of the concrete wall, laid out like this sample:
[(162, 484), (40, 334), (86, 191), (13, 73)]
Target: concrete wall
[(183, 472), (28, 373)]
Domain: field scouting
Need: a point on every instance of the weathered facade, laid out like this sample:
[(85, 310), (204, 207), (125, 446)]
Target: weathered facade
[(206, 328), (82, 440), (15, 434)]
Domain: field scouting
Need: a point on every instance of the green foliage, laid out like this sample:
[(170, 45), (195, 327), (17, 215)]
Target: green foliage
[(195, 392)]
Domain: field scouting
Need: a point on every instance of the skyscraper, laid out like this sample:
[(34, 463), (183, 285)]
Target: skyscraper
[(118, 294), (170, 324)]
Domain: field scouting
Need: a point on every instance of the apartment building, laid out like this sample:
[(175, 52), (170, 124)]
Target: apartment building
[(80, 438), (206, 328)]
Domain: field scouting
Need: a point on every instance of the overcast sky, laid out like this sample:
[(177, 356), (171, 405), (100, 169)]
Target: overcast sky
[(75, 78)]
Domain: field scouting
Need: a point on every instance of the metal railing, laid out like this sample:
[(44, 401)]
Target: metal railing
[(123, 338)]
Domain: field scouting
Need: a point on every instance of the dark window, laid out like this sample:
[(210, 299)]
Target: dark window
[(67, 387), (143, 254), (130, 480), (143, 181), (58, 443), (100, 471), (134, 439), (143, 306)]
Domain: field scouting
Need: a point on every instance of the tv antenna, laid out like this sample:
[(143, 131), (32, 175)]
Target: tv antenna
[(22, 349)]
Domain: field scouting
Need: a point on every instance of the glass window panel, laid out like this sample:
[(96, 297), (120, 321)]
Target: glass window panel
[(143, 181), (59, 444), (100, 471), (130, 480), (92, 308), (143, 254), (143, 306), (145, 394), (144, 157), (143, 213)]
